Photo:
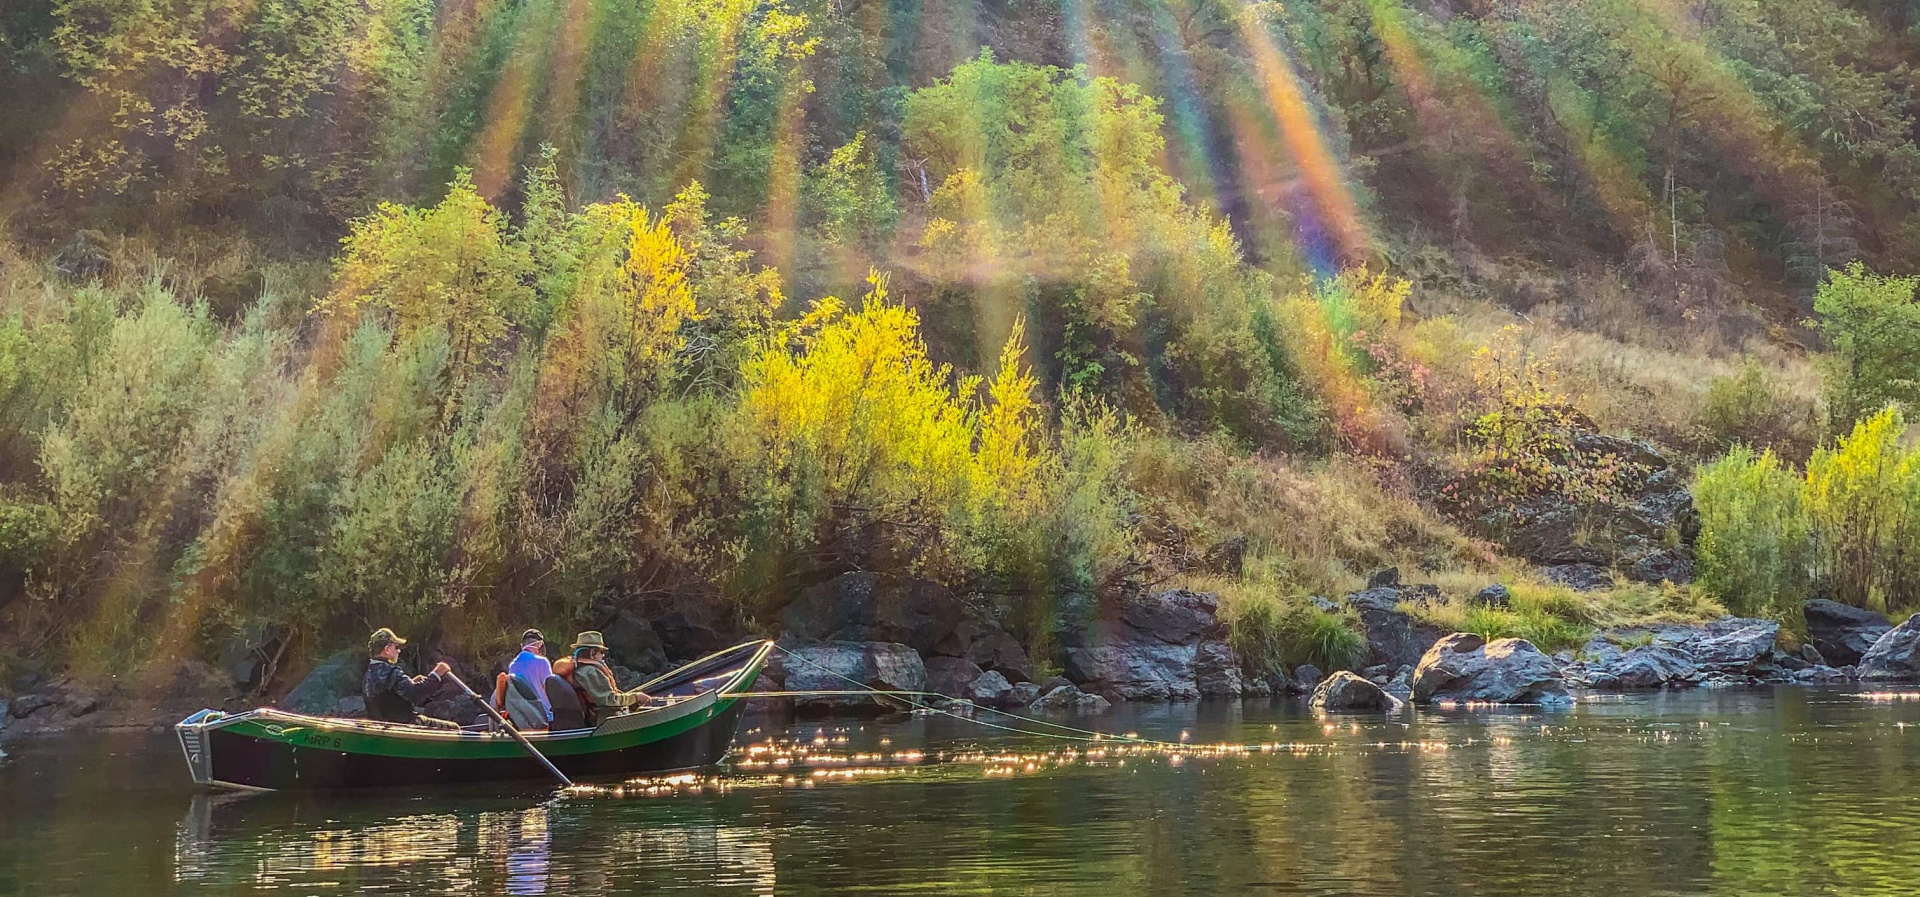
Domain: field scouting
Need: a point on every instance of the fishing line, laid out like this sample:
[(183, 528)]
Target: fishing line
[(1081, 736)]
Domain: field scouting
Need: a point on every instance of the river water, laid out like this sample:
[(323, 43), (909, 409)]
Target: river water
[(1748, 792)]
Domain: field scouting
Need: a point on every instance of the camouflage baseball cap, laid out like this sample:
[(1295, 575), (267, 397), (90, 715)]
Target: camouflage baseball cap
[(381, 638)]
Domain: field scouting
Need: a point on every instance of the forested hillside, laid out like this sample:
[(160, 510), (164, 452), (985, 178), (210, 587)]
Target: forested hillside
[(464, 315)]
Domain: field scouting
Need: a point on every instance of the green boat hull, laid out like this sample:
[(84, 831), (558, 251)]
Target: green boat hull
[(273, 749)]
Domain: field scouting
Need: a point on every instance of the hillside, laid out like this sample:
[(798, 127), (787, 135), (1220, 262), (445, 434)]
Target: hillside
[(460, 317)]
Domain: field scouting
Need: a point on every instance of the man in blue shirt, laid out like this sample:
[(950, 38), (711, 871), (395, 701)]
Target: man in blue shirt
[(531, 667)]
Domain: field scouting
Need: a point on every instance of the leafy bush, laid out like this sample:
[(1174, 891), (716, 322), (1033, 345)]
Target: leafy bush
[(1755, 551), (1862, 505), (1749, 408), (1871, 323)]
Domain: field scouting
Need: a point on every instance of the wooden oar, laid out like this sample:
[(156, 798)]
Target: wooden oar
[(488, 706)]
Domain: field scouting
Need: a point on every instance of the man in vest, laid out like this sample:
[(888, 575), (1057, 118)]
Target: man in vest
[(587, 671), (391, 694)]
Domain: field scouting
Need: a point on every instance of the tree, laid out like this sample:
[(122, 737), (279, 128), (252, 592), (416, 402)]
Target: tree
[(1871, 324)]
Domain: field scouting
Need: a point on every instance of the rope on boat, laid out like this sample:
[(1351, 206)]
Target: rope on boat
[(1078, 735)]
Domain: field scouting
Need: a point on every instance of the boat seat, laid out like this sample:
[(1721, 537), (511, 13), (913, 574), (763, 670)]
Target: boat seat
[(567, 712)]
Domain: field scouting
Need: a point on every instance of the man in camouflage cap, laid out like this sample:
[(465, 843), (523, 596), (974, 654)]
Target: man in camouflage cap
[(392, 695)]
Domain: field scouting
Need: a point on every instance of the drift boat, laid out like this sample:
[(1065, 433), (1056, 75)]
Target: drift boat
[(690, 724)]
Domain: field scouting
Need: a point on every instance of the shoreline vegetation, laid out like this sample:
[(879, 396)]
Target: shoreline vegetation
[(989, 333)]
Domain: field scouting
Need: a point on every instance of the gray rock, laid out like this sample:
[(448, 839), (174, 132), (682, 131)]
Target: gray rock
[(336, 677), (631, 639), (867, 607), (1894, 654), (1740, 651), (28, 704), (993, 648), (1394, 637), (1464, 667), (1150, 649), (1812, 655), (1647, 666), (1401, 685), (1306, 677), (886, 666), (1022, 694), (1216, 671), (1495, 595), (1054, 682), (1580, 577), (1257, 687), (1070, 699), (1346, 691), (1820, 674), (1321, 604), (1662, 565), (951, 676), (1842, 633), (989, 689), (1385, 579)]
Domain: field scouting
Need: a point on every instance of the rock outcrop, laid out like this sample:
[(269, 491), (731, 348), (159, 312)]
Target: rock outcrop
[(989, 689), (951, 676), (1641, 667), (1347, 691), (1579, 545), (1394, 637), (1896, 654), (827, 666), (1843, 634), (336, 677), (1166, 646), (1464, 667), (1742, 650)]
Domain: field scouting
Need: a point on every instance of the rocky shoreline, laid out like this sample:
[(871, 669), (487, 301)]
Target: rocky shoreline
[(860, 631)]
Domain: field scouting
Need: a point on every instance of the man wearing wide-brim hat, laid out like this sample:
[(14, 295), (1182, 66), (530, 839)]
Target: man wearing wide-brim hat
[(591, 677)]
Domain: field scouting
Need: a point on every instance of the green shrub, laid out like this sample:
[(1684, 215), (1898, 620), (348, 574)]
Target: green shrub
[(1862, 504), (1547, 632), (1754, 552), (1872, 327), (1749, 408)]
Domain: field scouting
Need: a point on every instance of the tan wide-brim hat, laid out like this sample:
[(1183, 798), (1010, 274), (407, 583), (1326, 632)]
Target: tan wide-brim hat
[(589, 639)]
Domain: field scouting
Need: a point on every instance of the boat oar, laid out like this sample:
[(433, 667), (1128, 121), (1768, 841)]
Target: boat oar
[(488, 706)]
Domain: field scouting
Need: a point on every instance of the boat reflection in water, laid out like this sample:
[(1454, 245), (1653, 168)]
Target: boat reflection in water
[(482, 847)]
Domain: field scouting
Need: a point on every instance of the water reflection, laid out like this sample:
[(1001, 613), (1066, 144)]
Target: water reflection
[(1734, 793)]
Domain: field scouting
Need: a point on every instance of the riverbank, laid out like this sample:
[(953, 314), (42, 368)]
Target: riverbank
[(1165, 647)]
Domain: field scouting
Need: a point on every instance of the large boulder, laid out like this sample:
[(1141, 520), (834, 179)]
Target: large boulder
[(1644, 666), (1896, 654), (1742, 650), (631, 640), (844, 666), (1842, 633), (1164, 646), (989, 688), (1394, 637), (1347, 691), (1069, 699), (951, 676), (1464, 667), (981, 639), (1216, 671), (868, 607), (336, 677)]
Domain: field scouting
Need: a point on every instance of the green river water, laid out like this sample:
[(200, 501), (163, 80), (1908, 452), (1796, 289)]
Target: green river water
[(1739, 792)]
